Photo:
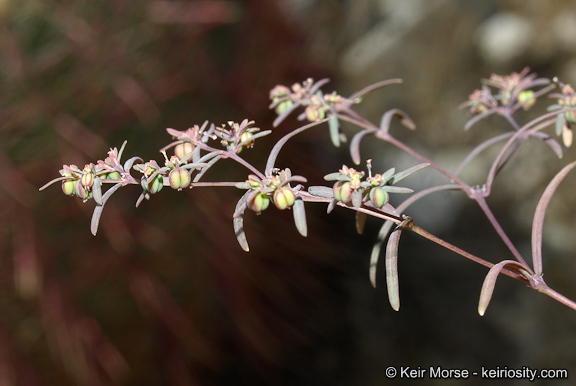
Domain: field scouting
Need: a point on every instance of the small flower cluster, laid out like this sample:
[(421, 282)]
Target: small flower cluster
[(233, 136), (566, 100), (513, 91), (86, 183), (349, 187), (308, 95), (275, 186)]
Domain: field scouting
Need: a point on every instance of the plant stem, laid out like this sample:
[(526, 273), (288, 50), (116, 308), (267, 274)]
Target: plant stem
[(558, 297), (411, 226), (481, 200)]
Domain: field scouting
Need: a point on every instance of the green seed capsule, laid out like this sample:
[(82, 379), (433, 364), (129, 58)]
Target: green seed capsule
[(69, 187), (179, 178), (378, 197), (283, 198), (259, 203), (342, 191), (183, 149)]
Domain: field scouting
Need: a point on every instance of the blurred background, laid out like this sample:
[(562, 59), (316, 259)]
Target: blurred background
[(163, 295)]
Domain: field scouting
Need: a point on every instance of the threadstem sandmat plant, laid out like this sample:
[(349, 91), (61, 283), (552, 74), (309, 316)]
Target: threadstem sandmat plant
[(367, 193)]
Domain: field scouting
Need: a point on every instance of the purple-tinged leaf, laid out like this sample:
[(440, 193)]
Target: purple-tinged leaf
[(480, 148), (360, 222), (538, 222), (300, 217), (396, 113), (392, 267), (490, 282), (238, 222), (99, 208), (316, 86), (355, 144), (129, 163), (373, 87), (477, 118), (280, 118), (554, 145)]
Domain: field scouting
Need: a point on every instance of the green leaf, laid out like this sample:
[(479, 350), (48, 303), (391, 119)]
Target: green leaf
[(388, 174), (560, 121), (321, 191), (300, 217), (396, 189), (334, 127), (392, 268), (405, 173), (332, 176), (97, 190)]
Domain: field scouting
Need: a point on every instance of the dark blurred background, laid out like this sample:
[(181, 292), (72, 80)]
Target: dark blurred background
[(163, 295)]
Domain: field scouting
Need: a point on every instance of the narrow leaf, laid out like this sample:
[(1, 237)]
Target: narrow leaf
[(360, 222), (238, 222), (392, 268), (560, 121), (357, 198), (255, 136), (395, 113), (128, 164), (300, 217), (397, 189), (332, 176), (99, 208), (355, 144), (384, 230), (321, 191), (405, 173), (554, 145), (334, 127), (97, 190), (490, 282), (538, 222)]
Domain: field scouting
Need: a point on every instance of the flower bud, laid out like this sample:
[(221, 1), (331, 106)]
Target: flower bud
[(342, 191), (378, 197), (183, 149), (283, 198), (259, 203), (179, 178)]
